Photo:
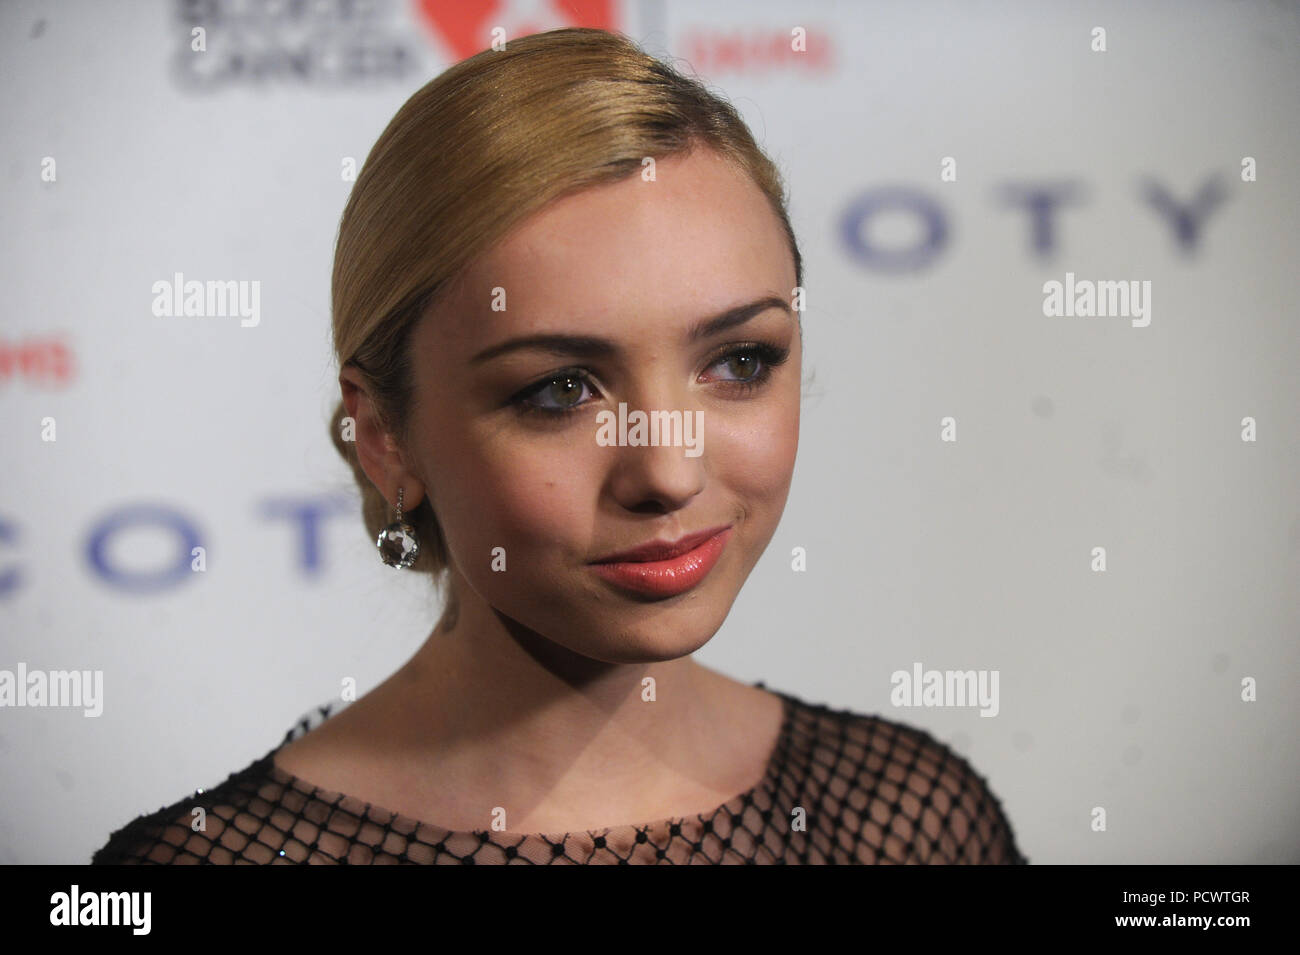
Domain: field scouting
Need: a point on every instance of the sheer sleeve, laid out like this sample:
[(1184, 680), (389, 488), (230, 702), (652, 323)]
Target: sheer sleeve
[(232, 823), (925, 804), (226, 835)]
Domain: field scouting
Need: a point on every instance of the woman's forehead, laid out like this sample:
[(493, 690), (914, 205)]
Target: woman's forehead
[(660, 247)]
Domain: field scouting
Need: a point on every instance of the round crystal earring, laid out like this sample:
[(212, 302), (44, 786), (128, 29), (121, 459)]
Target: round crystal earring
[(397, 544)]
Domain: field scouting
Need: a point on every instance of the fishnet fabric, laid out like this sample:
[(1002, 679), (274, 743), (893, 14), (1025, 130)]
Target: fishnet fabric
[(839, 788)]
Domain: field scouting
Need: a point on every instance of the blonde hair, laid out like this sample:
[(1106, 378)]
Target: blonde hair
[(477, 149)]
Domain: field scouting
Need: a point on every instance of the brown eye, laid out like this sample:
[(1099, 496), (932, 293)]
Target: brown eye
[(748, 366), (564, 392), (744, 365)]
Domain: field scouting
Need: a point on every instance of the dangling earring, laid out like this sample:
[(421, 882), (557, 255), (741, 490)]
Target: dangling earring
[(397, 544)]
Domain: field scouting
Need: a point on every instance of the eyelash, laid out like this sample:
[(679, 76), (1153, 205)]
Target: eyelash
[(770, 356)]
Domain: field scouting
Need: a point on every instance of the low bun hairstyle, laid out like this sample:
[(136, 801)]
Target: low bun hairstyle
[(476, 150)]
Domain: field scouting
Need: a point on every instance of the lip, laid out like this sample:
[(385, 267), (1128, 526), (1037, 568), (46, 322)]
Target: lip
[(665, 568), (662, 550)]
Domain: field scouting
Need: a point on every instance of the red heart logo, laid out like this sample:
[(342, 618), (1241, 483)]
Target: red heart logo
[(464, 26)]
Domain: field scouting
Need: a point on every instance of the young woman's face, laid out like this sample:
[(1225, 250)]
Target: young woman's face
[(594, 302)]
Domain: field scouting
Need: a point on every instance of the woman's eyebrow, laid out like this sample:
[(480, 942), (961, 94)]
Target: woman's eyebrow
[(586, 346), (736, 316)]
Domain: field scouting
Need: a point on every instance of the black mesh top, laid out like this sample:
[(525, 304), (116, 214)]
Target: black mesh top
[(839, 788)]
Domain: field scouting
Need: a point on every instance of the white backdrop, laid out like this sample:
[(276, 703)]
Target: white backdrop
[(1119, 689)]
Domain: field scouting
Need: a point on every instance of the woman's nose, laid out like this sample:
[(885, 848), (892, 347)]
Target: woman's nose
[(660, 454)]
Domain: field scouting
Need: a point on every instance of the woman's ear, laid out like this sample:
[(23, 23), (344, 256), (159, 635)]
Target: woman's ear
[(377, 450)]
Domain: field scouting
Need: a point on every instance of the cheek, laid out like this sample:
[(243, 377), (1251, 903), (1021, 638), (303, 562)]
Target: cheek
[(754, 448), (754, 458), (521, 494)]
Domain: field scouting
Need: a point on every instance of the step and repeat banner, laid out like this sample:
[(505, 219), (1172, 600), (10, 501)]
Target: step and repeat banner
[(1048, 431)]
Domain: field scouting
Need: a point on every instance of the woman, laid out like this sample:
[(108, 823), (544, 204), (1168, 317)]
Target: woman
[(566, 302)]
